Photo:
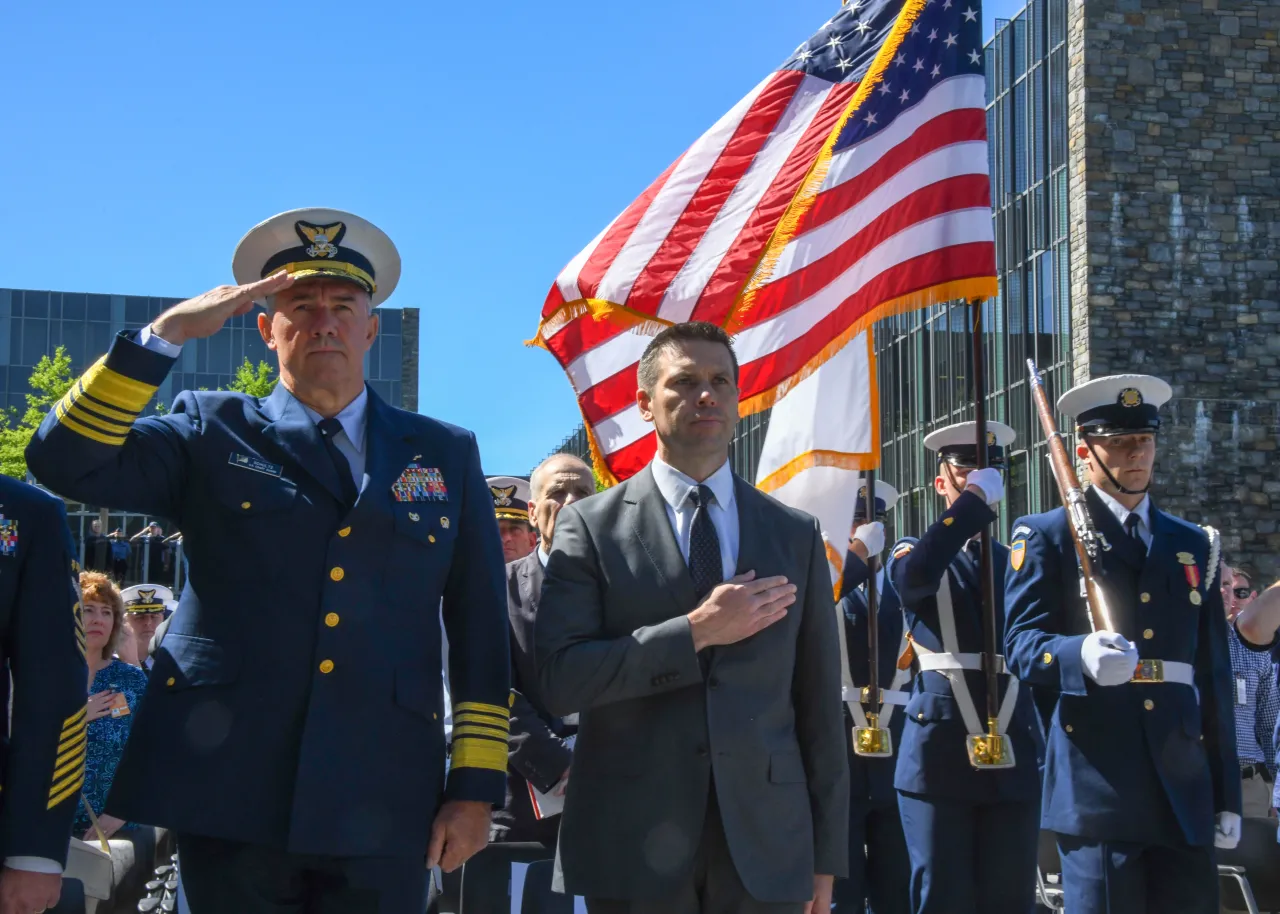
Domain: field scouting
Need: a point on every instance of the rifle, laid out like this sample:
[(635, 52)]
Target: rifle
[(1090, 544)]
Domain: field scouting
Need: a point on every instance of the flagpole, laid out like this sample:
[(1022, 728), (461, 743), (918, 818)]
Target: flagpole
[(990, 750)]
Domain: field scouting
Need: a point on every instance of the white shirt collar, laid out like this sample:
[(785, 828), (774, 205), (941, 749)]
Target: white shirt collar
[(1122, 513), (543, 555), (352, 418), (676, 486)]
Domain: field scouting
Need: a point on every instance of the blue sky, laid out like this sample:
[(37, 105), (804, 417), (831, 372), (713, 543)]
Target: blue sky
[(490, 141)]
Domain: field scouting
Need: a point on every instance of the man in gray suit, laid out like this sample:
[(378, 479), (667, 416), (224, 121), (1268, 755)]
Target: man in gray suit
[(689, 618)]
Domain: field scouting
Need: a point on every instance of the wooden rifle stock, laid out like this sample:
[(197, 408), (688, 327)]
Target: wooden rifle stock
[(1089, 543)]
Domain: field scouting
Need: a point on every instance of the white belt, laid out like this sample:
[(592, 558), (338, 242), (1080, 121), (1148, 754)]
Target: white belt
[(951, 663), (944, 660), (887, 696), (1151, 671)]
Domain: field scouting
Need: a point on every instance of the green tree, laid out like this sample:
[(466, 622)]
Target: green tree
[(255, 382), (49, 381)]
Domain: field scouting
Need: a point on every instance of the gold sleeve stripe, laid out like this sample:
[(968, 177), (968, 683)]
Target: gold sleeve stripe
[(90, 412), (86, 417), (70, 749), (463, 706), (86, 432), (77, 761), (473, 730), (493, 720), (114, 389), (70, 790), (91, 402), (478, 752), (76, 717)]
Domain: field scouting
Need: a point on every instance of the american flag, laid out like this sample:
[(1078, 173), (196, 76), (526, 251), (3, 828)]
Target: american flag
[(848, 185)]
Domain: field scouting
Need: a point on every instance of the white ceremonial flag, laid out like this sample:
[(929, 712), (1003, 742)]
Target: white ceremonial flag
[(821, 436)]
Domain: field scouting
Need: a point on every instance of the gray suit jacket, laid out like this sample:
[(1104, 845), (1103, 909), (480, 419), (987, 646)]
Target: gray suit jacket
[(613, 643)]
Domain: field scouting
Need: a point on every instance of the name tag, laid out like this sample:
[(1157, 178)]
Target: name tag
[(1242, 694), (257, 464)]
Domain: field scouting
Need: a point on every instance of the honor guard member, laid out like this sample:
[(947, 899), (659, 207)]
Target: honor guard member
[(43, 687), (511, 507), (971, 832), (291, 734), (1141, 778), (879, 868)]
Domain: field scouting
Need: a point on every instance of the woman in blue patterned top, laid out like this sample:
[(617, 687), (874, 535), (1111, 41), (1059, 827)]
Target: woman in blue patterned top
[(115, 688)]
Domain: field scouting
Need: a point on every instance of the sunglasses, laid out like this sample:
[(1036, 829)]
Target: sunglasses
[(1242, 593)]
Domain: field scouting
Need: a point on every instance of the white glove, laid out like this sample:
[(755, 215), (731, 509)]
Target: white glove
[(989, 481), (1109, 659), (1227, 833), (872, 536)]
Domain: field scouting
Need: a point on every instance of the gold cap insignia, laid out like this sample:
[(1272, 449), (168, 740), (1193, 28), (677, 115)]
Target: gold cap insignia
[(991, 439), (1130, 397), (502, 497), (444, 522), (323, 238)]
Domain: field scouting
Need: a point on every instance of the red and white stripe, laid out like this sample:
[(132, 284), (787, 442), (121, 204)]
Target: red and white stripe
[(904, 211)]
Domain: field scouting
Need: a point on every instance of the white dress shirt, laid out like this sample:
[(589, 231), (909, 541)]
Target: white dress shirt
[(1122, 513), (676, 487), (353, 417)]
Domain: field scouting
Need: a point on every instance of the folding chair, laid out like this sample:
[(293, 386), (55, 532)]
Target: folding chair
[(1049, 874)]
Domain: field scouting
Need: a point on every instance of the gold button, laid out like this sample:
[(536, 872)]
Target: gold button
[(336, 573), (435, 716), (1070, 729), (331, 620), (1149, 704), (1145, 598), (345, 531), (1047, 658), (431, 539), (170, 681), (246, 505), (1148, 634), (920, 716), (326, 666)]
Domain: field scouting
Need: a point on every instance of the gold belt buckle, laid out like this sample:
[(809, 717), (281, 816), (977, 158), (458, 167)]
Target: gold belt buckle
[(1149, 671)]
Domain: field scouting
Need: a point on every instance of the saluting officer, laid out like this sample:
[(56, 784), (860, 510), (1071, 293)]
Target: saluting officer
[(971, 832), (1141, 778), (43, 686), (879, 868), (291, 733)]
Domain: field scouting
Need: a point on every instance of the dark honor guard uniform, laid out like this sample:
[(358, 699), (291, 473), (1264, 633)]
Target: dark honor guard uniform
[(971, 832), (879, 868), (43, 680), (1141, 759), (292, 733)]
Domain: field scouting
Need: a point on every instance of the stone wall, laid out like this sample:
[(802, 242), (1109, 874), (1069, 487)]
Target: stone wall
[(1175, 221)]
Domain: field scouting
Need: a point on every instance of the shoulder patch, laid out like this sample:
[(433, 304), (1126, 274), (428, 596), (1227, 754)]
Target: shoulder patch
[(902, 549), (1022, 530), (948, 521), (1017, 554)]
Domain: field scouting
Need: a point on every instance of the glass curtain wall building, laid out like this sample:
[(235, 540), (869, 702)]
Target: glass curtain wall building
[(925, 359)]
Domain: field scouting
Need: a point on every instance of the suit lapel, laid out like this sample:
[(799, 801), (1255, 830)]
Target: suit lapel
[(531, 583), (291, 430), (653, 530), (391, 445), (1163, 547), (751, 525)]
